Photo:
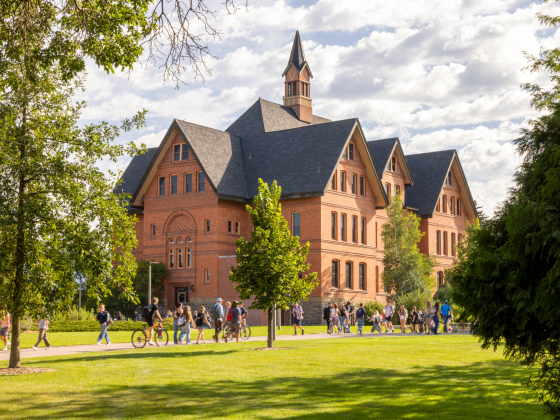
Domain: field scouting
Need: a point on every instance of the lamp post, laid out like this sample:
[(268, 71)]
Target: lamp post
[(149, 283)]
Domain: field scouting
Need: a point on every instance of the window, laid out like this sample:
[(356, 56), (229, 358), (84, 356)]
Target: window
[(188, 183), (289, 89), (354, 227), (362, 186), (333, 226), (333, 181), (180, 251), (452, 244), (458, 207), (229, 226), (237, 228), (459, 239), (444, 243), (348, 275), (345, 153), (388, 191), (207, 225), (173, 184), (362, 277), (438, 245), (439, 279), (397, 189), (180, 241), (296, 224), (162, 185), (189, 257), (449, 179), (363, 230), (207, 275), (376, 279), (394, 164), (185, 152), (153, 230), (353, 183), (171, 259), (302, 88), (451, 205), (437, 206), (342, 227), (444, 203), (376, 234), (176, 152), (295, 88), (172, 241), (334, 280), (342, 181), (189, 239), (200, 181), (351, 151)]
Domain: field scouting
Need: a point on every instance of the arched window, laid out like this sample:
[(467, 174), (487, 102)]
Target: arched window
[(172, 241), (180, 240), (189, 239)]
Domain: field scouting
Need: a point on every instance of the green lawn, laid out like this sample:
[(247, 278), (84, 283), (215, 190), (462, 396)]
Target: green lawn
[(75, 338), (383, 377)]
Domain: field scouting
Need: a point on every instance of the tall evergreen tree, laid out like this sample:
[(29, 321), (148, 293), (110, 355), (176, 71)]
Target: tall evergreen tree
[(406, 269), (270, 264)]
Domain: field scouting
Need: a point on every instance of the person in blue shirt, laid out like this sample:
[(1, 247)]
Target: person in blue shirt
[(445, 313)]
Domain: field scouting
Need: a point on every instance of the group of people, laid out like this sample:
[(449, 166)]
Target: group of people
[(339, 318)]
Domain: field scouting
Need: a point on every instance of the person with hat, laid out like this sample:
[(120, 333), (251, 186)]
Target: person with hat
[(446, 314), (217, 316)]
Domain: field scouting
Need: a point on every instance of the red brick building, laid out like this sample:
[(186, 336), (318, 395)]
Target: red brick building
[(190, 193)]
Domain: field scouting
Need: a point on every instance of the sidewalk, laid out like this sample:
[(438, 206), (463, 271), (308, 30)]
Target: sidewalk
[(69, 350)]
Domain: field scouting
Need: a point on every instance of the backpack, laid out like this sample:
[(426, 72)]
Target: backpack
[(146, 312), (230, 315), (214, 312)]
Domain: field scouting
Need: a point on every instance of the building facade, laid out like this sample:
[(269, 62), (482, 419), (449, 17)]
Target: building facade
[(190, 196)]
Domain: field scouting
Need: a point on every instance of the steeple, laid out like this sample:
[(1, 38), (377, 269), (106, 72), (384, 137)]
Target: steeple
[(297, 83)]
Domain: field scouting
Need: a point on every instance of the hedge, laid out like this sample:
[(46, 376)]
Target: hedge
[(90, 326)]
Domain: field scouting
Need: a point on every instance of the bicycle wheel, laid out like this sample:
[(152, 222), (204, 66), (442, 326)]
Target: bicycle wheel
[(162, 338), (223, 335), (139, 339), (245, 332)]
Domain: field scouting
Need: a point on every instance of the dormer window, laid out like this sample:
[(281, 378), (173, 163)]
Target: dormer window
[(394, 164), (449, 179), (351, 151)]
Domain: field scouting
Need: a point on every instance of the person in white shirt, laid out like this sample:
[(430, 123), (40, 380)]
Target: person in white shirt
[(389, 310), (4, 328), (43, 328), (297, 315)]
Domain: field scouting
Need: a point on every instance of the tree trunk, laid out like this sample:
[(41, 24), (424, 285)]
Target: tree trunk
[(14, 351), (270, 342)]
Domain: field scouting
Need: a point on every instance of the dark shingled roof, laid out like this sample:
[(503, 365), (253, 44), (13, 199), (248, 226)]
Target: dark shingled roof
[(381, 152), (134, 172), (278, 117), (429, 171), (297, 57), (220, 156)]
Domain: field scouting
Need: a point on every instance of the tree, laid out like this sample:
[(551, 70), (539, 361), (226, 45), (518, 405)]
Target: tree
[(121, 303), (271, 263), (58, 212), (405, 269)]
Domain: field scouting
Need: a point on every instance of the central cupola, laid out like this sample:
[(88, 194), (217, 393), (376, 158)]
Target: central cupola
[(297, 83)]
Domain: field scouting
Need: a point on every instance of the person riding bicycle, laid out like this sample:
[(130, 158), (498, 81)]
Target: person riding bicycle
[(154, 312)]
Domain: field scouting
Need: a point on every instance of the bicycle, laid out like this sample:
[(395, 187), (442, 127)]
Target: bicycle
[(160, 335), (244, 333)]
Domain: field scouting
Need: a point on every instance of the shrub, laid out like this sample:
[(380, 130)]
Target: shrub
[(92, 325)]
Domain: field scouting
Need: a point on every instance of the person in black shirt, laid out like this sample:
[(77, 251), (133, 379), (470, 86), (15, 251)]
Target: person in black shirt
[(415, 320), (154, 313), (327, 315)]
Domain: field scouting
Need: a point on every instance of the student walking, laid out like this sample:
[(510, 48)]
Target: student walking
[(104, 318), (427, 316), (361, 315), (414, 322), (403, 314), (297, 316), (388, 314), (446, 315), (349, 316), (327, 316), (186, 327), (43, 328), (217, 315), (436, 314), (178, 321), (200, 321), (5, 328), (376, 319), (343, 317)]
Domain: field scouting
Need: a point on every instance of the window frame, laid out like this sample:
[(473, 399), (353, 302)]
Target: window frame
[(160, 186), (333, 181), (363, 186), (444, 236), (351, 151), (348, 275), (333, 225), (188, 185), (363, 230), (206, 225), (176, 152), (362, 284), (452, 244), (451, 199), (438, 242), (376, 279), (335, 272), (171, 186), (439, 279), (394, 164), (458, 206), (171, 259), (229, 226), (206, 275), (200, 175), (343, 181), (154, 230), (180, 259), (189, 257), (184, 151), (449, 179), (444, 203), (298, 226), (353, 186), (354, 229), (343, 227), (237, 230)]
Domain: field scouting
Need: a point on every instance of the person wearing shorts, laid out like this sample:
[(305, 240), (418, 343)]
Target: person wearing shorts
[(4, 328), (154, 312), (235, 325), (43, 328), (297, 315)]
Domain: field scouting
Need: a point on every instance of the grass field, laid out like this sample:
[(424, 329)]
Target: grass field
[(384, 377)]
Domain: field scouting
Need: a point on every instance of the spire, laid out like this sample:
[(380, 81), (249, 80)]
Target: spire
[(297, 57)]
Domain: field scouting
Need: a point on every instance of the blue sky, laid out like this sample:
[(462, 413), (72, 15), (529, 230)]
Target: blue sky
[(438, 74)]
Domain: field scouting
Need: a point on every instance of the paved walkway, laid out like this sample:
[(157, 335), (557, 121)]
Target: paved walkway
[(90, 348)]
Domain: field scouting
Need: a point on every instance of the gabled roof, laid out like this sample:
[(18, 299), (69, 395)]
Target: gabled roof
[(297, 57), (382, 150), (430, 171), (134, 172)]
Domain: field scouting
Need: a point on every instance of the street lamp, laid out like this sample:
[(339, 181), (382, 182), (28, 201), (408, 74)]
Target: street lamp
[(150, 283)]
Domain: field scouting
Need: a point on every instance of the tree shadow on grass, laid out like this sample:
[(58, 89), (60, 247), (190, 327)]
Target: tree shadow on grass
[(489, 390)]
